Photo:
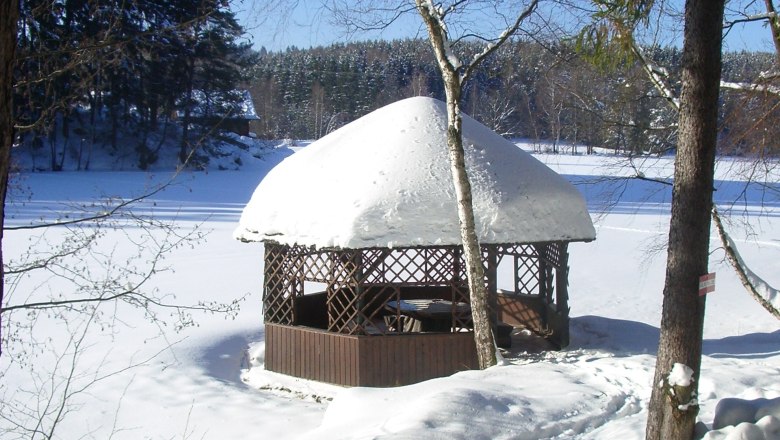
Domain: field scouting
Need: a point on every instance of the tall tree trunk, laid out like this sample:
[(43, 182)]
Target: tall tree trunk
[(673, 409), (774, 27), (185, 149), (8, 16), (475, 271)]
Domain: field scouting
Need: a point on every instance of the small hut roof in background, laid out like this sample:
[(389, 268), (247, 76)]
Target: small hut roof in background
[(235, 104), (384, 180)]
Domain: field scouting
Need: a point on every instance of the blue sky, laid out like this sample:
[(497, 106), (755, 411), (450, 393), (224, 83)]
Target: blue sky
[(308, 24)]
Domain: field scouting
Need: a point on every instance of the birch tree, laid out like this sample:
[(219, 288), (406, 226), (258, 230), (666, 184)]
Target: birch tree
[(439, 20), (455, 74)]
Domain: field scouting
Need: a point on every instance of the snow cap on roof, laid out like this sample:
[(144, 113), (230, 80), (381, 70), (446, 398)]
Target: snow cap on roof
[(384, 180)]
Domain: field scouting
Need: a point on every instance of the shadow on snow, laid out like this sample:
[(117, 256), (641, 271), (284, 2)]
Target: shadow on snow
[(625, 338)]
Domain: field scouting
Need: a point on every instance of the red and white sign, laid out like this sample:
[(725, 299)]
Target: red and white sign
[(706, 284)]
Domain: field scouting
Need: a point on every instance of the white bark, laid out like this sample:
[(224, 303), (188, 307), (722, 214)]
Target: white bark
[(449, 66), (751, 87), (659, 76), (454, 74)]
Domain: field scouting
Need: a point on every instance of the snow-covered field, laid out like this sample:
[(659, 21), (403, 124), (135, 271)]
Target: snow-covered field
[(132, 379)]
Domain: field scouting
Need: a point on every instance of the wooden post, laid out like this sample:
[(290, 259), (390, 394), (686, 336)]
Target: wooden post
[(357, 280), (562, 280), (491, 274)]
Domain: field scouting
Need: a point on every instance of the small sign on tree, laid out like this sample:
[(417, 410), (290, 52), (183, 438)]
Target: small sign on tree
[(706, 284)]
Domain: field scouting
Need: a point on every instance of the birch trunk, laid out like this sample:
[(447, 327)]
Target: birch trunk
[(475, 271), (672, 411), (483, 332), (748, 278)]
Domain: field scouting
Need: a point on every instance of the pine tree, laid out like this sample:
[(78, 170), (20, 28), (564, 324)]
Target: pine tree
[(673, 406)]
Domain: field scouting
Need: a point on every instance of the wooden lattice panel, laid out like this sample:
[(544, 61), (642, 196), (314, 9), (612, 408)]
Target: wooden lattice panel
[(526, 275), (404, 266), (281, 285), (518, 250), (441, 264), (461, 321), (343, 292), (372, 310), (316, 266), (411, 266), (342, 309), (360, 282), (551, 253), (374, 265)]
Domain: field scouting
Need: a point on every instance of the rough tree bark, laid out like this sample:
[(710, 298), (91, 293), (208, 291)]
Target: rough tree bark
[(8, 15), (673, 410)]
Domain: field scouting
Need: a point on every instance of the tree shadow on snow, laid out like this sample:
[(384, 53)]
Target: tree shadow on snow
[(750, 346), (617, 336), (625, 338), (640, 196), (225, 359)]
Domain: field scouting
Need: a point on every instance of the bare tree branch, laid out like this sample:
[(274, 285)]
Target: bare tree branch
[(747, 19), (759, 289), (751, 87), (659, 78), (367, 16), (506, 35)]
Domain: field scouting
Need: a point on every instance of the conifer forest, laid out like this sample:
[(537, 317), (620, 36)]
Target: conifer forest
[(89, 74)]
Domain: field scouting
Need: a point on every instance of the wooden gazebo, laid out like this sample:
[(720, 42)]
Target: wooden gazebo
[(364, 279)]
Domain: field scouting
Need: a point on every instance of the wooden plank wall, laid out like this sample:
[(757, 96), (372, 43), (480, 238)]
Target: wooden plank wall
[(524, 311), (311, 354), (351, 360), (395, 360)]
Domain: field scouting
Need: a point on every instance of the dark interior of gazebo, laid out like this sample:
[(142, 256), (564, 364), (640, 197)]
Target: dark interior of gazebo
[(394, 316)]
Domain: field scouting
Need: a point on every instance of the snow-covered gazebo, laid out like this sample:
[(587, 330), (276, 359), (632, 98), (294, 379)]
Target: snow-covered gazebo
[(364, 278)]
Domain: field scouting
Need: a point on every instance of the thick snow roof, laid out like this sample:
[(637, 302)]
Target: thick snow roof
[(384, 180)]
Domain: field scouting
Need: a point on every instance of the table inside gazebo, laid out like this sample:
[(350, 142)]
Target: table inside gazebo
[(427, 315)]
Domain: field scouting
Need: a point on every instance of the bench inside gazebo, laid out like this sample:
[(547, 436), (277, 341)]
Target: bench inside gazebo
[(364, 278)]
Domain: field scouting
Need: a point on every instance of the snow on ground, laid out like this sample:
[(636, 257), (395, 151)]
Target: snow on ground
[(207, 381)]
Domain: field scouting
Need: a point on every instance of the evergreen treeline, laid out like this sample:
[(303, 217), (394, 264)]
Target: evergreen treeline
[(526, 89), (92, 70), (93, 75)]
